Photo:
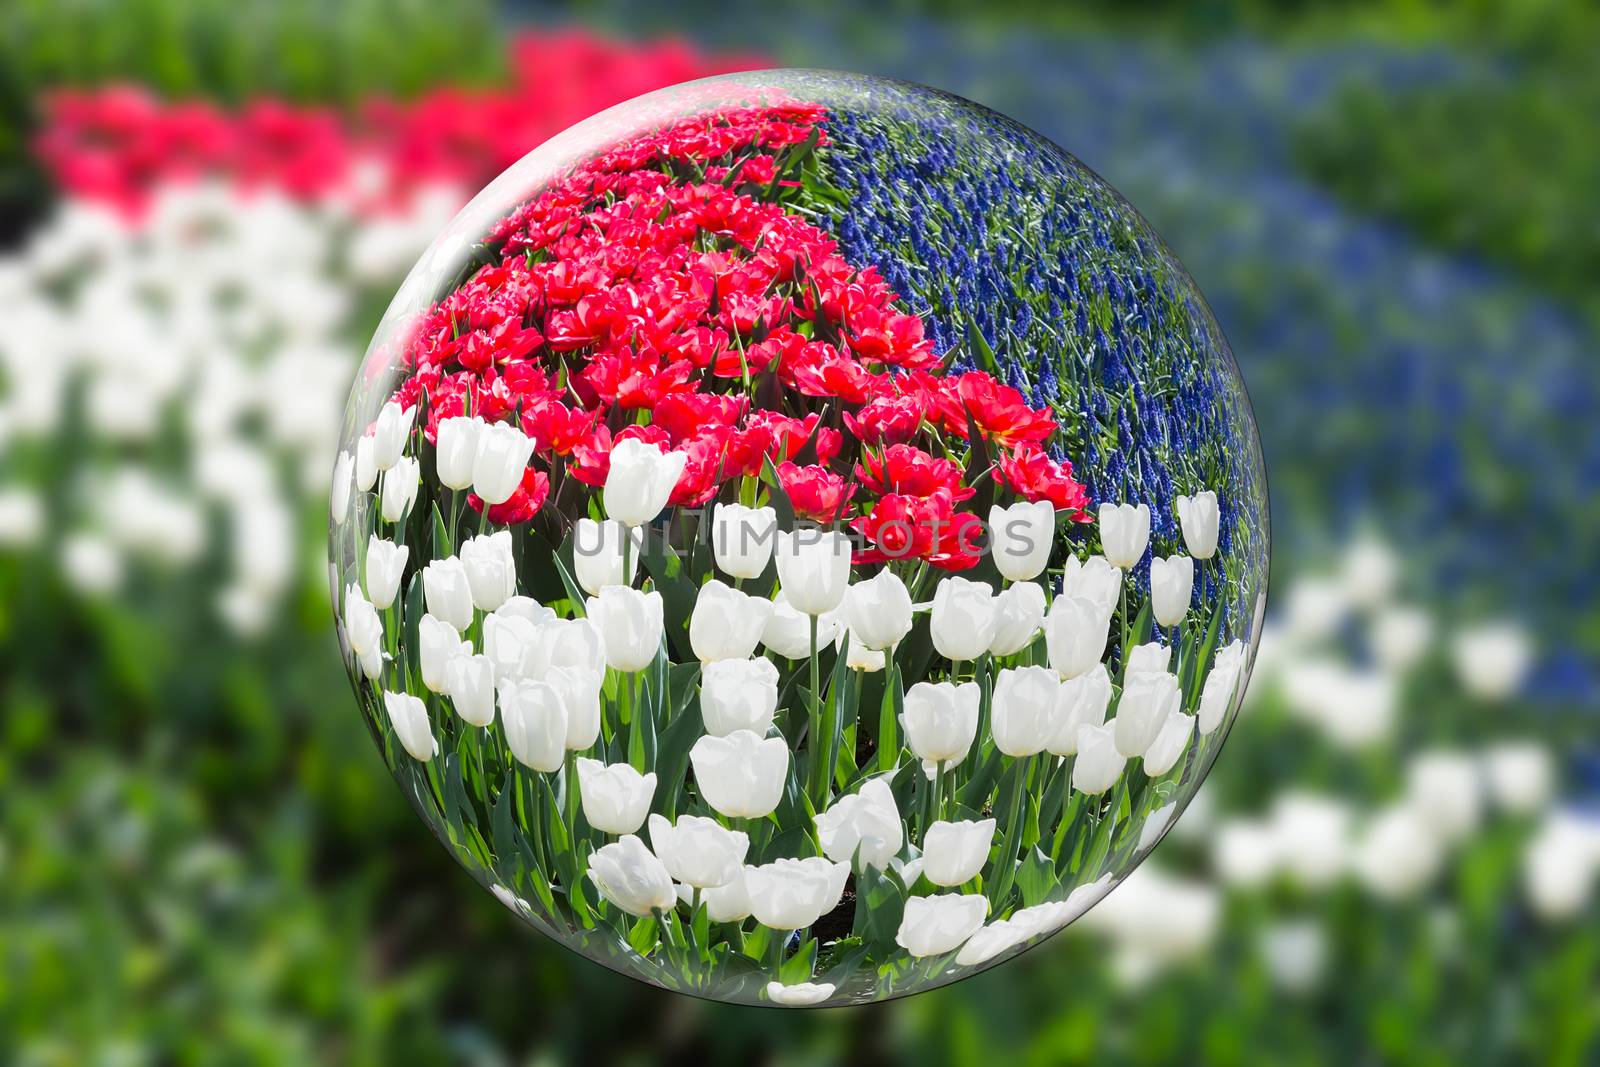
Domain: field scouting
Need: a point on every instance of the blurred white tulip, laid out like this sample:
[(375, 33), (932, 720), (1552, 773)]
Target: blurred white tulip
[(1400, 637), (1521, 775), (343, 479), (1398, 854), (800, 994), (1444, 787), (1492, 659)]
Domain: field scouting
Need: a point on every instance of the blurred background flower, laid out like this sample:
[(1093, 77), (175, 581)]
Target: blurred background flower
[(204, 208)]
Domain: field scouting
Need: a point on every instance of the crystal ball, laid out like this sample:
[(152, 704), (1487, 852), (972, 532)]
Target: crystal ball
[(799, 538)]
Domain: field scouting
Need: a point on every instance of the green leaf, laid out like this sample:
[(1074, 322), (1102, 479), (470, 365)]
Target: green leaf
[(644, 936), (800, 966), (1036, 878), (682, 731)]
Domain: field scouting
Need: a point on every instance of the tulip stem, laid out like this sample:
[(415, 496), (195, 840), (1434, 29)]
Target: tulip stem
[(778, 938), (571, 772), (627, 556), (819, 747), (1123, 593), (938, 791)]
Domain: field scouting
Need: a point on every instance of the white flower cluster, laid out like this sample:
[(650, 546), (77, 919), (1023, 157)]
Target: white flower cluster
[(194, 359)]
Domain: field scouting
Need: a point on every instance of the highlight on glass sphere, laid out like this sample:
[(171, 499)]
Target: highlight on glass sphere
[(800, 538)]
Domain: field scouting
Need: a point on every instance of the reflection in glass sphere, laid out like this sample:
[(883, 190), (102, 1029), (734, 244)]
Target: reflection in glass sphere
[(799, 538)]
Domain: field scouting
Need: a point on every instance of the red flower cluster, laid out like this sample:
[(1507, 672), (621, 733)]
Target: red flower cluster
[(664, 278), (115, 144)]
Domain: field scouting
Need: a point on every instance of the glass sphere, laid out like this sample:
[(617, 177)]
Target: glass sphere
[(800, 538)]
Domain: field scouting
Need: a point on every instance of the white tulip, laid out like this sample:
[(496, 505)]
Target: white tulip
[(1398, 855), (470, 681), (726, 623), (500, 462), (511, 643), (615, 798), (1080, 701), (698, 851), (1221, 684), (399, 489), (1492, 659), (597, 553), (788, 632), (742, 539), (1124, 533), (386, 563), (439, 644), (954, 852), (575, 643), (1246, 853), (1075, 635), (1311, 835), (813, 569), (789, 894), (940, 720), (408, 715), (1198, 517), (741, 775), (363, 631), (535, 723), (491, 570), (1018, 614), (1150, 657), (445, 590), (866, 823), (630, 625), (1560, 864), (630, 877), (738, 694), (1099, 764), (799, 995), (580, 696), (932, 926), (728, 903), (1520, 774), (862, 659), (879, 611), (1444, 788), (989, 942), (1171, 740), (1368, 571), (339, 496), (525, 607), (366, 465), (389, 434), (1171, 585), (1400, 637), (1021, 537), (1147, 701), (1024, 709), (1097, 580), (641, 479), (963, 621), (456, 450)]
